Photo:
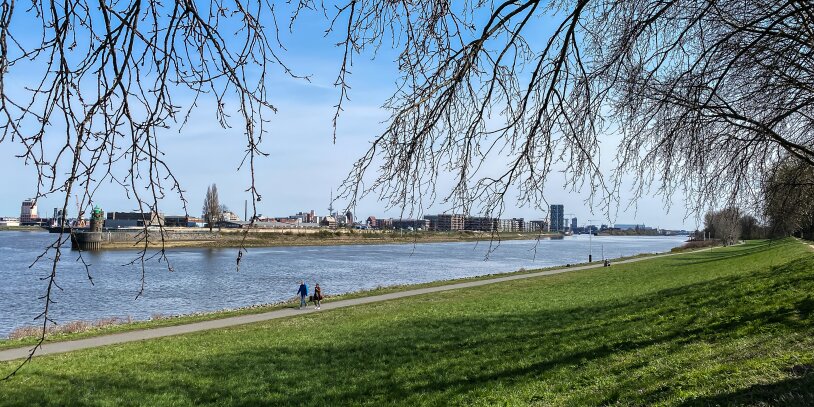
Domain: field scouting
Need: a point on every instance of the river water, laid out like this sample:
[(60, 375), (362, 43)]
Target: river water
[(206, 279)]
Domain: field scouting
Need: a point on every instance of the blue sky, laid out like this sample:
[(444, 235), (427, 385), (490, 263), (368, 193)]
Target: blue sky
[(304, 165)]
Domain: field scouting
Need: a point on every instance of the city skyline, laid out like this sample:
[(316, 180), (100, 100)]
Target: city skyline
[(305, 163), (278, 200), (566, 222)]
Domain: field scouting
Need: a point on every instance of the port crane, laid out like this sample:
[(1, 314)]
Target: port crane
[(80, 215)]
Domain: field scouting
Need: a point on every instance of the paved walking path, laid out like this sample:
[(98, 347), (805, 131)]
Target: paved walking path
[(132, 336)]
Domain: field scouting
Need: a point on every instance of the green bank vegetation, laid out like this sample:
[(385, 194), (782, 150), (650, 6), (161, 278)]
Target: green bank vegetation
[(21, 229), (728, 326)]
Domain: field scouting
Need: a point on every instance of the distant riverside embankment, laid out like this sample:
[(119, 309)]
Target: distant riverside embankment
[(185, 237)]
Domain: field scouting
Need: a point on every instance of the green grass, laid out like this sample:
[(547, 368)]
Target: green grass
[(721, 327)]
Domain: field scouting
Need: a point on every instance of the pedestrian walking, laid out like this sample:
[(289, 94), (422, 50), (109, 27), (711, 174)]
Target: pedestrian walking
[(317, 295), (303, 292)]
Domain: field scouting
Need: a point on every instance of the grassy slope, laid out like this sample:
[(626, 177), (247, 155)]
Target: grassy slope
[(728, 326)]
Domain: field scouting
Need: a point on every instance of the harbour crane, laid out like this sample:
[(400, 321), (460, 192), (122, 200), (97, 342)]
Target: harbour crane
[(80, 215)]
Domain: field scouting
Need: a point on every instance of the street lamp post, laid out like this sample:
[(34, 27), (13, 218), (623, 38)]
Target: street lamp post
[(590, 239)]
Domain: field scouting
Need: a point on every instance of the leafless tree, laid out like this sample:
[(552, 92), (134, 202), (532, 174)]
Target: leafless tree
[(88, 88), (751, 228), (211, 206), (703, 97), (725, 225), (788, 203)]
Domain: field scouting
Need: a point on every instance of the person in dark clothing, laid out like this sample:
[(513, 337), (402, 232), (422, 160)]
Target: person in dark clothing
[(303, 292), (317, 298)]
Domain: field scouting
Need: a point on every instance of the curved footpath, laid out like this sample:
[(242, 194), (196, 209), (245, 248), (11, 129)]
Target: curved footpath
[(132, 336)]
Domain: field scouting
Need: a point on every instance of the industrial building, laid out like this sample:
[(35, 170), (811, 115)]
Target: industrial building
[(230, 216), (328, 221), (183, 221), (28, 212), (116, 220), (7, 222)]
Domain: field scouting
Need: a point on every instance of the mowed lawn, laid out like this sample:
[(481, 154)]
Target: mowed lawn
[(721, 327)]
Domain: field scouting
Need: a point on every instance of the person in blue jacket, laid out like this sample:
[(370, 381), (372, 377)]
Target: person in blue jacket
[(303, 292)]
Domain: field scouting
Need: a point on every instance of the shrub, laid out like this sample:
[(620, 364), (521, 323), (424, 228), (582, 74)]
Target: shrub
[(696, 244)]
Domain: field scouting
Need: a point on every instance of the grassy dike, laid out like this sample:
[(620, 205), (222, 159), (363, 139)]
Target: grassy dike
[(720, 327)]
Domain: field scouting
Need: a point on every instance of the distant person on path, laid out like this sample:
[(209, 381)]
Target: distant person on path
[(317, 295), (303, 292)]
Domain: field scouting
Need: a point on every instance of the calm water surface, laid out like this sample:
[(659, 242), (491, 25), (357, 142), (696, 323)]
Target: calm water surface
[(206, 280)]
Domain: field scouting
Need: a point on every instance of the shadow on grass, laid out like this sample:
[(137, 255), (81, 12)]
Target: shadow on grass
[(441, 352), (797, 391), (732, 252)]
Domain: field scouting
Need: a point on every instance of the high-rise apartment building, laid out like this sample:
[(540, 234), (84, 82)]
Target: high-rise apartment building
[(448, 222), (556, 218)]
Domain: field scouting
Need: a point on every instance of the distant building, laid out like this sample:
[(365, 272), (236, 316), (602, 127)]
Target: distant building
[(574, 224), (630, 226), (234, 224), (59, 218), (384, 223), (310, 217), (183, 221), (6, 222), (556, 218), (28, 212), (371, 221), (349, 218), (447, 222), (481, 223), (433, 221), (411, 224), (116, 220), (517, 225), (230, 216), (341, 220), (328, 221), (537, 226), (305, 217)]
